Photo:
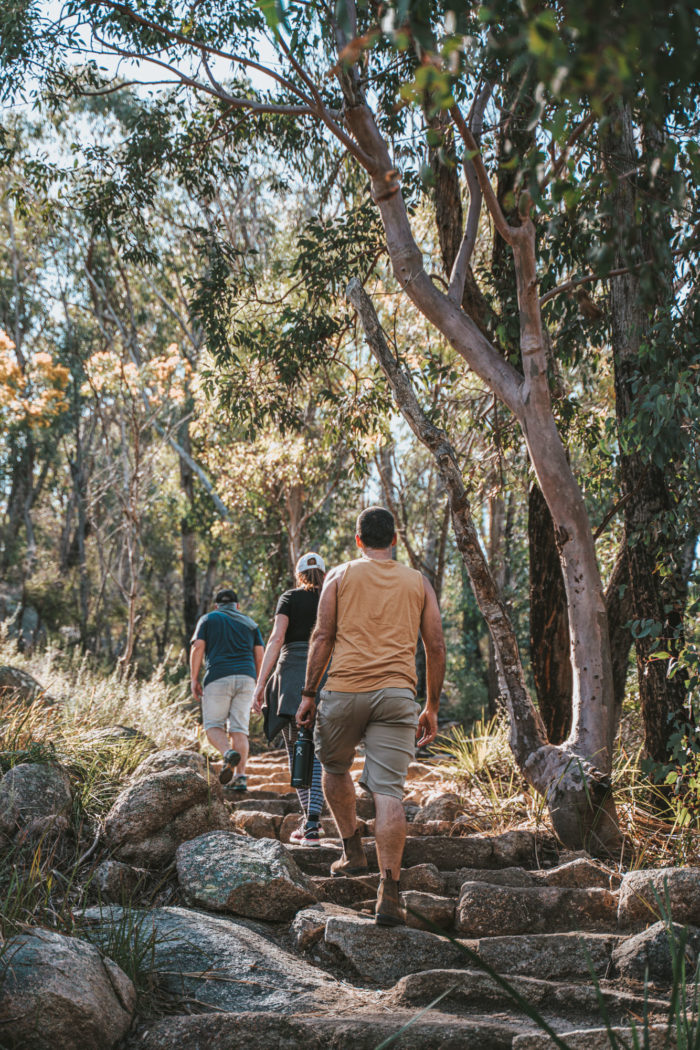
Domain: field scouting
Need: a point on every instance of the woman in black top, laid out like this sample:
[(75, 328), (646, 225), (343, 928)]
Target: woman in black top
[(286, 652)]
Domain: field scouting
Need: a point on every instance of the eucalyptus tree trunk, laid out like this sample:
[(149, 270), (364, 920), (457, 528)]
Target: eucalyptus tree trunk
[(577, 790), (651, 538), (188, 538)]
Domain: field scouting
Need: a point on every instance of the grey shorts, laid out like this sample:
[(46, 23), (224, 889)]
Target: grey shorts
[(385, 719), (226, 703)]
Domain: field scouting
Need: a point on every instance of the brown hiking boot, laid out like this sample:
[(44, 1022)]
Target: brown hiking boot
[(353, 861), (388, 911)]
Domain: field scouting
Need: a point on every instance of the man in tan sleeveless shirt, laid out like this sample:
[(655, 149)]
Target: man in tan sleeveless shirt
[(369, 616)]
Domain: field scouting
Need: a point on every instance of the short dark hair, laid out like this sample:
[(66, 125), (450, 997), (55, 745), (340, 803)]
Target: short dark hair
[(375, 526), (225, 596)]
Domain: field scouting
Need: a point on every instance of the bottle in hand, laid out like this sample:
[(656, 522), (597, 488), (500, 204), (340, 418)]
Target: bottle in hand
[(303, 759)]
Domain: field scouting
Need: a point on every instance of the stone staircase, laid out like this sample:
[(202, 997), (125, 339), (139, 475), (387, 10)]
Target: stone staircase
[(513, 903)]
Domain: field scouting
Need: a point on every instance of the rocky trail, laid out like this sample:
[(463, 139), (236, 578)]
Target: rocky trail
[(251, 944)]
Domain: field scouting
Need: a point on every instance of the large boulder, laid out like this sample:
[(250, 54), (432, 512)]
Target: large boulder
[(153, 816), (219, 963), (58, 991), (15, 682), (171, 758), (257, 878), (645, 896), (649, 953), (488, 911), (32, 792)]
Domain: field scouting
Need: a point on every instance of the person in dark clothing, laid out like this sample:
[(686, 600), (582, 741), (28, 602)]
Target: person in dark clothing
[(231, 646), (280, 691)]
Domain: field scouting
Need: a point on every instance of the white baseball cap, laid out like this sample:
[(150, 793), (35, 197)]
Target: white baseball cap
[(311, 561)]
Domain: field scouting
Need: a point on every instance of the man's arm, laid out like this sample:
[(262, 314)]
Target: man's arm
[(258, 651), (434, 644), (320, 646), (196, 657)]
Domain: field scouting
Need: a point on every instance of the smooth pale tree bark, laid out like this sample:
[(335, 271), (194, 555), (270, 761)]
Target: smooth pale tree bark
[(527, 396), (577, 793)]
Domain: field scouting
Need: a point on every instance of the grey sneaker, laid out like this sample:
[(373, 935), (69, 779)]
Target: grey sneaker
[(231, 760), (240, 782)]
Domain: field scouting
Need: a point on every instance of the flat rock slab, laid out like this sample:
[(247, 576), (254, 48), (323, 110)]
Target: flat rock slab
[(221, 963), (580, 874), (315, 860), (309, 924), (454, 880), (552, 956), (383, 955), (256, 878), (424, 909), (473, 988), (511, 849), (279, 807), (643, 896), (60, 991), (487, 911), (595, 1039), (345, 891), (257, 823), (358, 1031)]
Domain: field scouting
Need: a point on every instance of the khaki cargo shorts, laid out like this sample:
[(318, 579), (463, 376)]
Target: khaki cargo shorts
[(385, 719)]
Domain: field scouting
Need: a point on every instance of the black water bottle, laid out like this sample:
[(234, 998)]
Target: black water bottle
[(303, 759)]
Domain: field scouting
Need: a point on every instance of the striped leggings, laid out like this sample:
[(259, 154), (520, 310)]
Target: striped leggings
[(311, 799)]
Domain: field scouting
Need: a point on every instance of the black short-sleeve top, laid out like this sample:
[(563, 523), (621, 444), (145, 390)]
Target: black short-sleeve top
[(301, 607)]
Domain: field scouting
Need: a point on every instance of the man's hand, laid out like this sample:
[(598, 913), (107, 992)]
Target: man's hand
[(258, 697), (427, 726), (196, 689), (306, 712)]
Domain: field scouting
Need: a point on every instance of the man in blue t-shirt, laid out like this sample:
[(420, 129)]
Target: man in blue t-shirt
[(232, 649)]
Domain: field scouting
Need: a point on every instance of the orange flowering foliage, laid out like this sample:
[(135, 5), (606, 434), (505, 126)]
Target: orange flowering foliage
[(33, 395), (160, 380)]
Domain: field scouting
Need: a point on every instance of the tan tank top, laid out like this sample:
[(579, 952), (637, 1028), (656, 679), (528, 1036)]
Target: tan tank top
[(380, 604)]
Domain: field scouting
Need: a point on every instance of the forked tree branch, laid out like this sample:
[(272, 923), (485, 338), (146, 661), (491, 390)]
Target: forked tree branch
[(466, 248), (506, 231)]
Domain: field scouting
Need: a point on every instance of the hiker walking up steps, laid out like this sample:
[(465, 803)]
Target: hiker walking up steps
[(286, 652), (231, 646), (369, 616)]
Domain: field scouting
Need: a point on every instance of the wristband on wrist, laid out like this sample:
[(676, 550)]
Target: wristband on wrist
[(311, 693)]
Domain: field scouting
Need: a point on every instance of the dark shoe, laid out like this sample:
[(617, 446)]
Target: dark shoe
[(240, 782), (231, 760), (353, 861), (388, 911)]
